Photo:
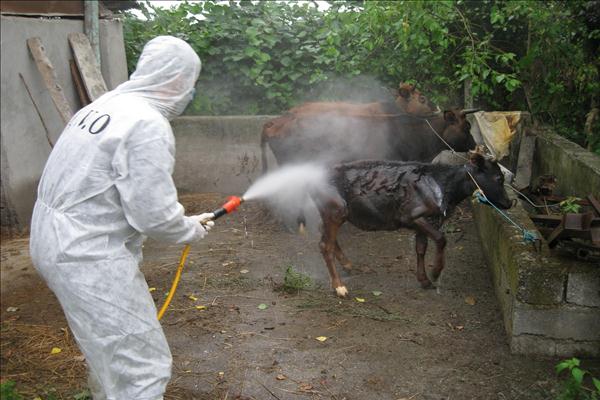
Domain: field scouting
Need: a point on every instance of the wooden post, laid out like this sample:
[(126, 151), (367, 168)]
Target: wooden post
[(92, 27), (468, 85)]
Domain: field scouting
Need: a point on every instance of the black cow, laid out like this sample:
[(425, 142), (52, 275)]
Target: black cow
[(389, 195), (331, 139)]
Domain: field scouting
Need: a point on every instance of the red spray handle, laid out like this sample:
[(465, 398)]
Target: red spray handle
[(233, 202)]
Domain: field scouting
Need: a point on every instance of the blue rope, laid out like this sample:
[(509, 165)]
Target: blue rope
[(528, 236)]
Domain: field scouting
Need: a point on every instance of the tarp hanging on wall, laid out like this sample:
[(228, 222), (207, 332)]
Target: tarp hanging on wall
[(497, 129)]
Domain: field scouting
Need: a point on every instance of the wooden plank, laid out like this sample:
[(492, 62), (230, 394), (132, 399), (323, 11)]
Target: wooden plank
[(594, 203), (88, 66), (525, 161), (49, 75), (78, 82)]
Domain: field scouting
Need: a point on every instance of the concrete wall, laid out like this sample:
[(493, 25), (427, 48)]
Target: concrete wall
[(218, 154), (550, 304), (577, 170), (24, 147)]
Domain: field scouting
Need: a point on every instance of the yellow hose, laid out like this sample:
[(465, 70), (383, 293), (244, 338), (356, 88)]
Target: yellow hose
[(182, 259)]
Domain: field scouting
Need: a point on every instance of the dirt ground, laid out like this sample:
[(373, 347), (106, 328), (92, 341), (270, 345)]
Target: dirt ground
[(405, 343)]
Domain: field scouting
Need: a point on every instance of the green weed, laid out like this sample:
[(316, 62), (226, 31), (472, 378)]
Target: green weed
[(575, 386), (294, 281), (9, 392)]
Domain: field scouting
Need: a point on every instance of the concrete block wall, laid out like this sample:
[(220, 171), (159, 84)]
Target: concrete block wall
[(576, 169), (218, 154), (550, 304)]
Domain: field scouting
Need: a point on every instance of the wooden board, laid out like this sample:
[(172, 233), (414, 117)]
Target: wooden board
[(525, 161), (88, 66), (78, 82), (49, 75)]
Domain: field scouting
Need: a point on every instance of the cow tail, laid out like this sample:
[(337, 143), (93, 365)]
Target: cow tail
[(263, 150)]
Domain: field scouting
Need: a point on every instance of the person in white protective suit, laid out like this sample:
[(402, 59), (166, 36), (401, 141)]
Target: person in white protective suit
[(106, 186)]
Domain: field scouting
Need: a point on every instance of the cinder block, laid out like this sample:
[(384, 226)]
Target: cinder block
[(565, 322), (528, 344), (539, 345), (583, 288), (567, 348), (541, 286)]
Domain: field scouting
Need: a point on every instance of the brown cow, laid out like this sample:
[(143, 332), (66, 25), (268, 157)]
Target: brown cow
[(408, 101), (330, 138), (389, 195)]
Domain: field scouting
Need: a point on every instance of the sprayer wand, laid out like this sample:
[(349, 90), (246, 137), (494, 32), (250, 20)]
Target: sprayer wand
[(233, 202)]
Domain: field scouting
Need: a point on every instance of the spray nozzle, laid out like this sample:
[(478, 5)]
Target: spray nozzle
[(233, 202)]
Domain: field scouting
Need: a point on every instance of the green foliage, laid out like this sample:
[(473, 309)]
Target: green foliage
[(9, 392), (574, 386), (294, 280), (569, 205), (266, 56)]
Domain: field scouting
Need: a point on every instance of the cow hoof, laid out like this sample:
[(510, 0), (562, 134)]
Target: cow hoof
[(341, 291), (426, 284), (302, 229)]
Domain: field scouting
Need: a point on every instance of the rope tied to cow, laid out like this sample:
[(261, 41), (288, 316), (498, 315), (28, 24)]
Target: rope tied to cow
[(528, 236), (446, 143)]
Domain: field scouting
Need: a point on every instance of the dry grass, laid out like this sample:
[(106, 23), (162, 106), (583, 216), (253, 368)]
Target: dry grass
[(26, 359)]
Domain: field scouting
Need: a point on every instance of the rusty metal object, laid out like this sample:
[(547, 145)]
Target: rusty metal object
[(575, 225), (577, 234)]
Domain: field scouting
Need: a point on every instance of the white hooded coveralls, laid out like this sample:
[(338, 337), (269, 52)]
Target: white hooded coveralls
[(106, 185)]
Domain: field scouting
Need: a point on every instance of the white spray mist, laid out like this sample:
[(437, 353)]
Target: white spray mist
[(297, 179), (287, 190)]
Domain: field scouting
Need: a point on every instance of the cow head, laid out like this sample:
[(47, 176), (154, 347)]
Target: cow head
[(413, 102), (488, 175), (457, 130)]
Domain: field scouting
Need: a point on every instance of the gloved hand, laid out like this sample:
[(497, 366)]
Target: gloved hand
[(205, 220)]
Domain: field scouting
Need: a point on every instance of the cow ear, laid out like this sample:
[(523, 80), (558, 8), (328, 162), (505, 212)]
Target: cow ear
[(450, 116), (404, 90), (477, 159)]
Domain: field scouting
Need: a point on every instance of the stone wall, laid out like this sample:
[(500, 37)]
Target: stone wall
[(550, 304), (576, 169)]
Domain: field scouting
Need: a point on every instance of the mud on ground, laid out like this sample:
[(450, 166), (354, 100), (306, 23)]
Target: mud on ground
[(404, 343)]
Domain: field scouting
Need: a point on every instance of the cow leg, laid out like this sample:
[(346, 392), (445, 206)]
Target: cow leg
[(438, 237), (327, 246), (341, 257), (301, 222), (421, 248)]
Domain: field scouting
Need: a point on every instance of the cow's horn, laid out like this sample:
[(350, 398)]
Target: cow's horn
[(470, 110)]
